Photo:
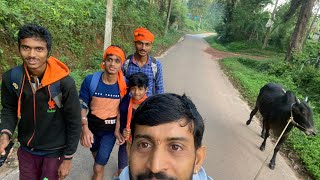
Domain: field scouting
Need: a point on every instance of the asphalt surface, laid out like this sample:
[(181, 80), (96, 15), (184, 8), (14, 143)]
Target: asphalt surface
[(232, 147)]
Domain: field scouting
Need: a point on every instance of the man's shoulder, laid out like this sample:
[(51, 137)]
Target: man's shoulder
[(155, 60), (6, 74), (67, 79), (129, 58), (201, 175), (125, 174)]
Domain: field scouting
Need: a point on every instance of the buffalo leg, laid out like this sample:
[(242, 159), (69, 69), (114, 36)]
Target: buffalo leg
[(272, 163), (253, 112), (267, 128), (263, 131)]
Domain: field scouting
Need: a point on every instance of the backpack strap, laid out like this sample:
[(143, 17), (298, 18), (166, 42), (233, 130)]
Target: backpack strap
[(154, 68), (16, 79), (94, 82), (126, 63), (56, 93)]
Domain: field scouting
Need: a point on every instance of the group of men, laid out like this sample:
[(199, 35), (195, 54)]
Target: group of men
[(39, 97)]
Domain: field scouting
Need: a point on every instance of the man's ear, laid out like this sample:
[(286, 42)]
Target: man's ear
[(200, 157)]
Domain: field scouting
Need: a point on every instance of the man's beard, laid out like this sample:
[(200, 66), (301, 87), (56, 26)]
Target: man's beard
[(150, 175)]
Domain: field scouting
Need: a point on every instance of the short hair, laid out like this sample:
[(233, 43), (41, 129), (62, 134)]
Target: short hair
[(139, 79), (36, 31), (166, 108)]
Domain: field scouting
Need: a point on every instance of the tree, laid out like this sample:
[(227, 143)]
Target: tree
[(269, 28), (108, 25), (298, 35), (198, 8), (311, 25), (168, 16)]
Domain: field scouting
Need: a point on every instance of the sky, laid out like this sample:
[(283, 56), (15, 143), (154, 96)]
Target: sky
[(271, 6)]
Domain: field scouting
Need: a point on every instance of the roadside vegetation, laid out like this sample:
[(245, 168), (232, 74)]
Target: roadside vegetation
[(77, 28), (303, 79)]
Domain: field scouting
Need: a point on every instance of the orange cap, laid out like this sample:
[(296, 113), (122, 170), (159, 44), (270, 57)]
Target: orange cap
[(115, 51), (143, 34)]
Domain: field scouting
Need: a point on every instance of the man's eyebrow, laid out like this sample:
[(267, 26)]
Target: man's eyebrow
[(177, 139), (167, 139), (144, 136)]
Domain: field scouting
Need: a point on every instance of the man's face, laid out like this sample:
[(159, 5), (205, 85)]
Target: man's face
[(143, 48), (165, 151), (112, 64), (138, 92), (34, 54)]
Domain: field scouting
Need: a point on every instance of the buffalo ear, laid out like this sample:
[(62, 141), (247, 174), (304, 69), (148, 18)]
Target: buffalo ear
[(306, 99)]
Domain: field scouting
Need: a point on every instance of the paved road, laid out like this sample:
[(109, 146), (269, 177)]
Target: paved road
[(233, 148)]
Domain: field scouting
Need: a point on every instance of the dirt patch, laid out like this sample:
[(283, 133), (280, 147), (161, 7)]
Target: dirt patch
[(217, 55)]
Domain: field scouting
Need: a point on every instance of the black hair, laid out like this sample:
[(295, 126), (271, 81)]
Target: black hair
[(36, 31), (139, 79), (166, 108)]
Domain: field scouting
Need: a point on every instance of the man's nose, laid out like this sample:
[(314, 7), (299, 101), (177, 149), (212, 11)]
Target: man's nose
[(112, 62), (32, 53), (158, 161)]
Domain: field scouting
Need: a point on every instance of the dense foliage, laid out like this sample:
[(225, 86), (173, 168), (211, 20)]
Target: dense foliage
[(246, 20), (77, 27)]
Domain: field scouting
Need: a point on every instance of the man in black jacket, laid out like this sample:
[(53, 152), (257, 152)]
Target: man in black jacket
[(44, 104)]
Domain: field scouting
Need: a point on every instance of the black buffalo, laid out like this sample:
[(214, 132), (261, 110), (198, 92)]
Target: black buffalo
[(276, 106)]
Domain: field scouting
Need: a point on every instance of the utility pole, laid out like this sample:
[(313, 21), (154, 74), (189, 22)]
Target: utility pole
[(269, 26), (108, 25), (168, 16)]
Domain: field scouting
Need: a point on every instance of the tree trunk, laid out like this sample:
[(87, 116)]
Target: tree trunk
[(200, 21), (168, 16), (162, 6), (266, 39), (108, 25), (317, 64), (230, 6), (311, 25), (300, 29)]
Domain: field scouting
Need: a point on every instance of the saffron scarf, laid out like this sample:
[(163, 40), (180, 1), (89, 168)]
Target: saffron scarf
[(131, 103)]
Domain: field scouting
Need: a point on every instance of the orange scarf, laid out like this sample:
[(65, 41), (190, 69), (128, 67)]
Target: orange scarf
[(133, 101)]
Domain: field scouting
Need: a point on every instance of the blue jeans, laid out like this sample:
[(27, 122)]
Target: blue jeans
[(122, 156), (103, 145)]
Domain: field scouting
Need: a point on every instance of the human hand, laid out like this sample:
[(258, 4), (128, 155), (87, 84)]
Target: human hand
[(119, 137), (4, 141), (86, 138), (126, 133), (64, 169)]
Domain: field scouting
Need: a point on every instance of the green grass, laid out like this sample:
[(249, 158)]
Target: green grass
[(250, 76), (245, 47)]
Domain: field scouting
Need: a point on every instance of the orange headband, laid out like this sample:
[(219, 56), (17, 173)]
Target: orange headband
[(143, 34), (115, 51)]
